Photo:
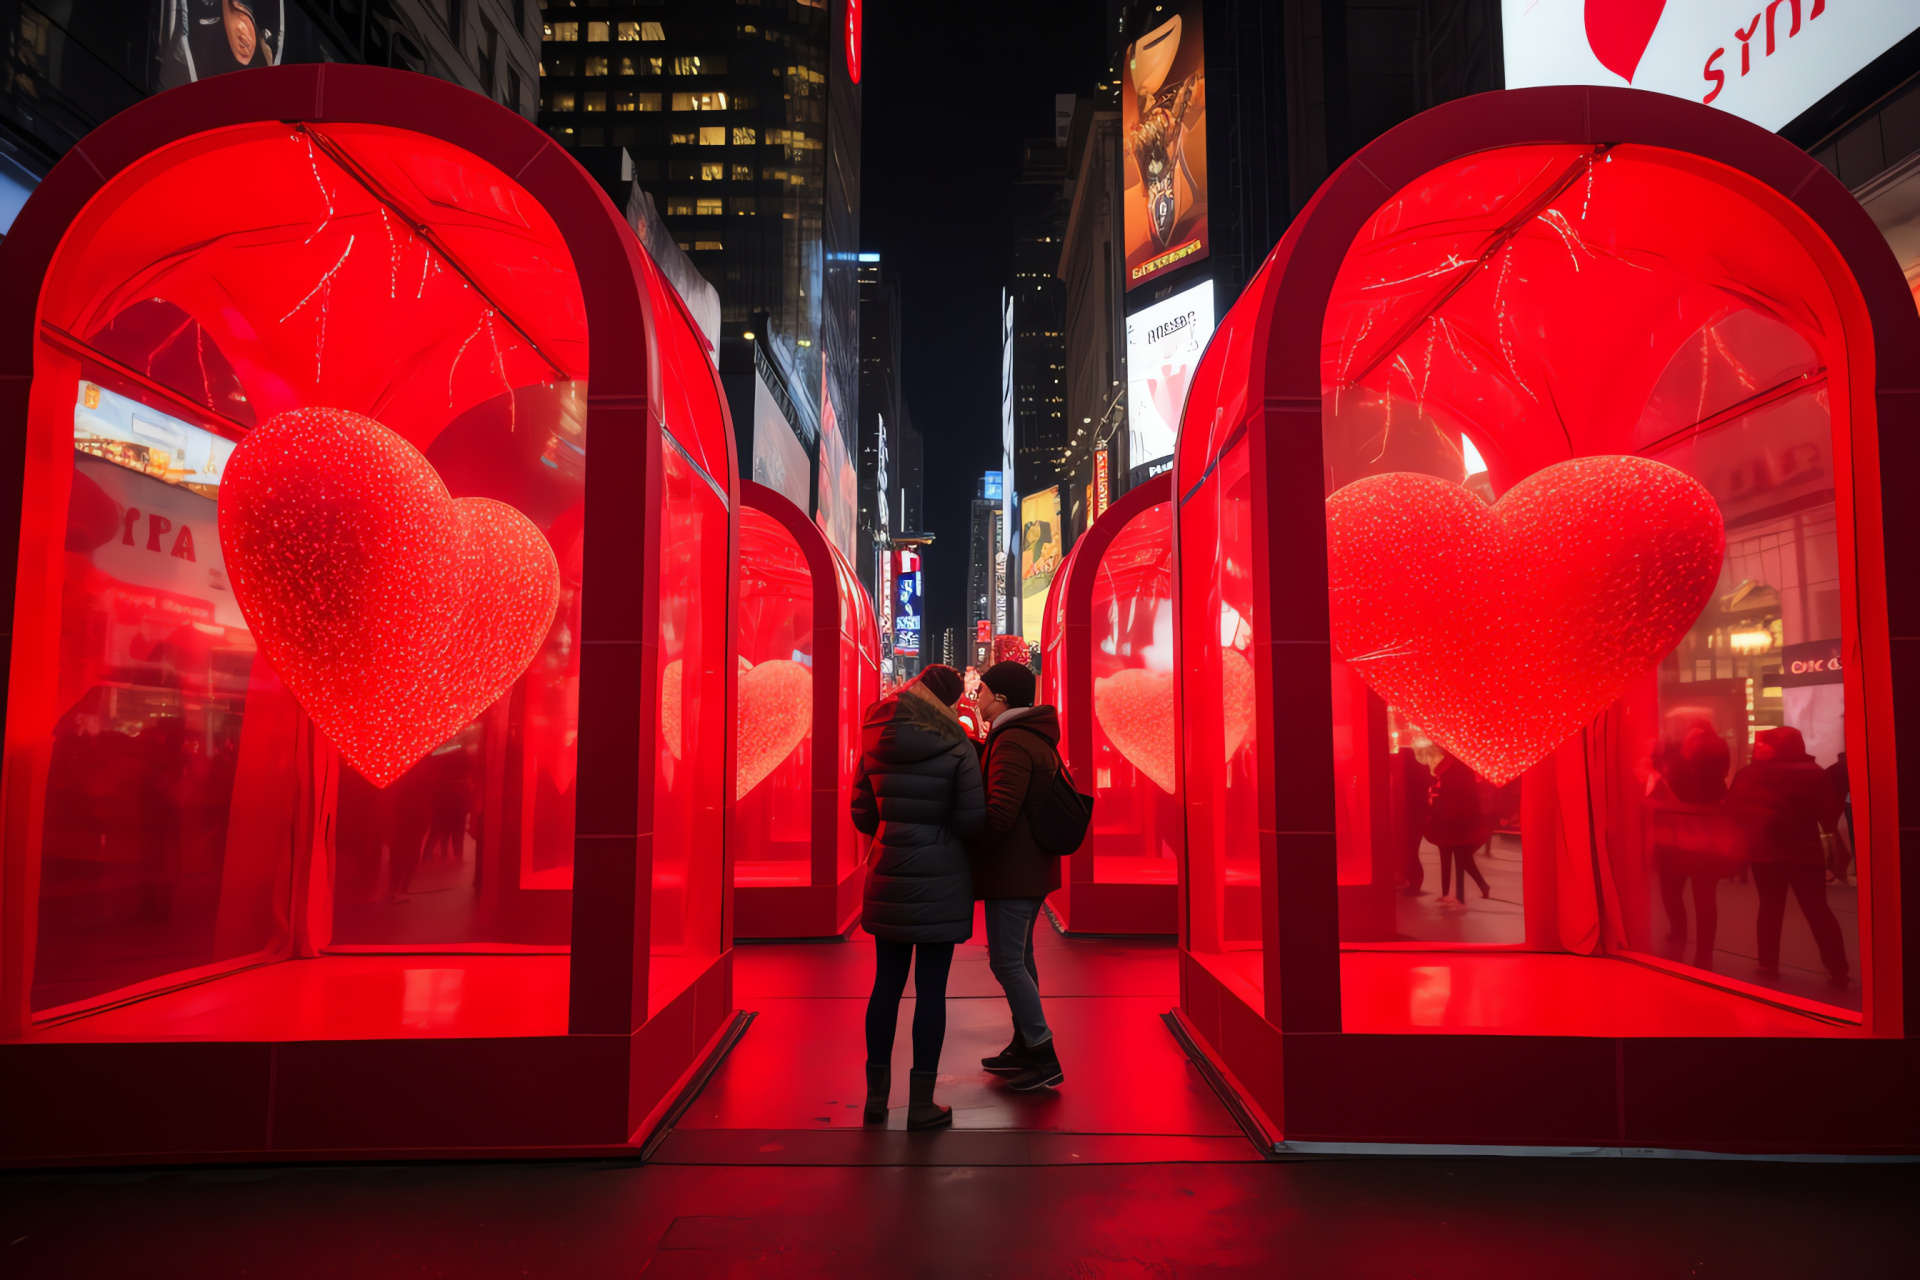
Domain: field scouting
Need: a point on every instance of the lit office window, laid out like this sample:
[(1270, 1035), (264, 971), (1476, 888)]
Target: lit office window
[(682, 139), (652, 31), (713, 245), (597, 31), (562, 31), (563, 100), (713, 173), (700, 102), (596, 66), (595, 101), (625, 100), (713, 135), (695, 65), (649, 102), (743, 135), (743, 173), (628, 31), (679, 208), (707, 206)]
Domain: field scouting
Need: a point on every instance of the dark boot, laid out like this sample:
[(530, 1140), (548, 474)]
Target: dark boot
[(922, 1111), (1010, 1059), (879, 1085), (1042, 1070)]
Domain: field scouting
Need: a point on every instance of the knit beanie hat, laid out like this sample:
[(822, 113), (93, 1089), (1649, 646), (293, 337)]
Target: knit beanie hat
[(1013, 681), (943, 682)]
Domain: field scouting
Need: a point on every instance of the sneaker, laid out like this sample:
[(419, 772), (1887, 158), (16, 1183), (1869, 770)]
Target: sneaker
[(1042, 1070)]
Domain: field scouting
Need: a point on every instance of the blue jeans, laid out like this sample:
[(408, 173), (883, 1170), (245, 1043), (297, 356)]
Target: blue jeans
[(1010, 923)]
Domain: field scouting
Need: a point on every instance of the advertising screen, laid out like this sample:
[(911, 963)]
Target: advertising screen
[(1764, 63), (1164, 343), (906, 603), (1039, 557), (1163, 125), (779, 459)]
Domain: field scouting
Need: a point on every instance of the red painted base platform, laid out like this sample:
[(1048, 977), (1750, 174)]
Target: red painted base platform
[(1131, 896), (773, 900), (1527, 1049), (354, 1056)]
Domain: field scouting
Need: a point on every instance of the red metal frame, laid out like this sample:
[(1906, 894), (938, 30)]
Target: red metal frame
[(1285, 1050), (830, 902), (1083, 904), (494, 1088)]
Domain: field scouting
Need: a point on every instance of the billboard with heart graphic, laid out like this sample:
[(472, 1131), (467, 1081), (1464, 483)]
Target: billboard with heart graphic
[(1765, 62)]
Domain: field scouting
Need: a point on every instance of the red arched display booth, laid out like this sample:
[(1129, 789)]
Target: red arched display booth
[(368, 701), (1546, 646), (1109, 668), (809, 669)]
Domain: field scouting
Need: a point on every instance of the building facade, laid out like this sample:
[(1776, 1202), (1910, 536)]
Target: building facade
[(742, 122), (71, 65)]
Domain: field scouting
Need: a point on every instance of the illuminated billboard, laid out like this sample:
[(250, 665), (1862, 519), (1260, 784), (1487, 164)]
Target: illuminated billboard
[(1164, 343), (1765, 63), (1163, 122), (906, 603), (1039, 557)]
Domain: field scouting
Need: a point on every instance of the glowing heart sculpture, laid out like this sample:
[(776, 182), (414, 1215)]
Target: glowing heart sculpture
[(1501, 630), (776, 709), (394, 612), (1135, 711)]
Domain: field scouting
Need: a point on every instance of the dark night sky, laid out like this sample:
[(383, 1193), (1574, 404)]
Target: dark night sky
[(949, 94)]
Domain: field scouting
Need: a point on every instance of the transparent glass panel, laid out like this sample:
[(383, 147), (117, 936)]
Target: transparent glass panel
[(1503, 327), (1136, 829), (773, 809)]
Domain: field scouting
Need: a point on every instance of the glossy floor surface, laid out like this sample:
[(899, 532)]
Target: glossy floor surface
[(1132, 1170), (790, 1091), (1433, 1219)]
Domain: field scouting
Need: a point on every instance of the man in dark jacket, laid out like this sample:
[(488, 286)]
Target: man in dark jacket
[(918, 795), (1011, 872), (1784, 802)]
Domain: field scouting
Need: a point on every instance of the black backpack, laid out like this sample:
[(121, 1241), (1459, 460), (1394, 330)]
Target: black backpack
[(1060, 815)]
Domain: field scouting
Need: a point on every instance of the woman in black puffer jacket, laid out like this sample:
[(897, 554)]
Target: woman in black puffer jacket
[(919, 796)]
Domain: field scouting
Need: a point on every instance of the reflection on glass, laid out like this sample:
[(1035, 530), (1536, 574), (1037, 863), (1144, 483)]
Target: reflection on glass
[(773, 813), (688, 798), (1223, 836), (1532, 304), (185, 816), (1136, 829)]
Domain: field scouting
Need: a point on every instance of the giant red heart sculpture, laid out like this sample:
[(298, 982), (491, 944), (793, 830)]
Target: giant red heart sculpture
[(1501, 630), (392, 611), (1618, 32), (776, 709), (1135, 710)]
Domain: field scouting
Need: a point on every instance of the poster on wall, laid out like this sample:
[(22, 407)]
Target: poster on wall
[(1039, 557), (780, 461), (1164, 345), (1163, 128), (1764, 63)]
